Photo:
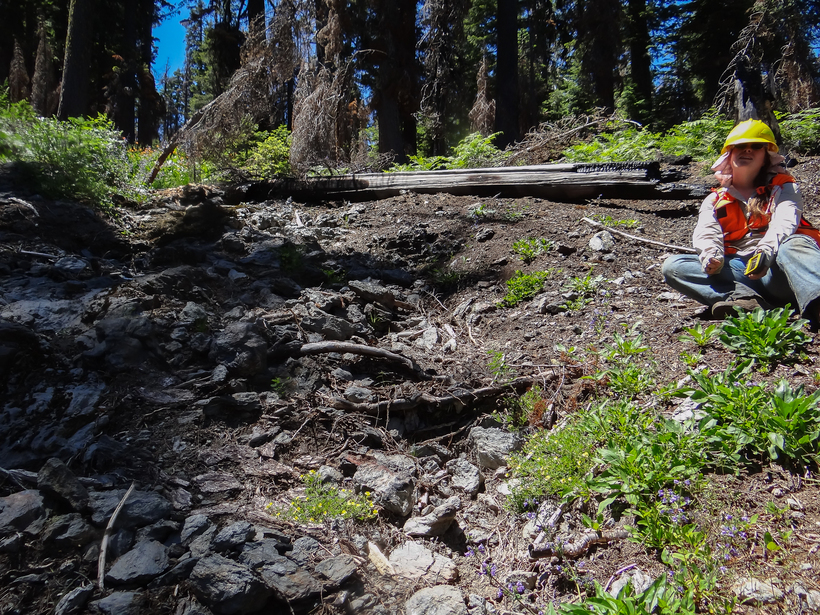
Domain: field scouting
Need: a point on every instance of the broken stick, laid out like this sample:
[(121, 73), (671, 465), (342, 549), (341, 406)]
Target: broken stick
[(641, 239)]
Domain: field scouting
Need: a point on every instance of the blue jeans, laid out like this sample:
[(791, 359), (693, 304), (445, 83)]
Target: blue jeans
[(793, 278)]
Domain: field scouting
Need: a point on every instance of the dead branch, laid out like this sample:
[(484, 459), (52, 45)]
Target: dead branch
[(574, 550), (109, 529), (419, 399), (641, 239), (324, 347)]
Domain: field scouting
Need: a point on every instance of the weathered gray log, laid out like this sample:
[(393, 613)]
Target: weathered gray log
[(564, 182)]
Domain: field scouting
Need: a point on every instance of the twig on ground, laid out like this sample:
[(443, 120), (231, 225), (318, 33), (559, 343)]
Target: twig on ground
[(641, 239), (574, 550), (325, 347), (109, 529), (616, 573), (425, 398)]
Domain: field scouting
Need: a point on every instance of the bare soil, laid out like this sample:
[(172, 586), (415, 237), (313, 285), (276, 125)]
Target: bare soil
[(446, 251)]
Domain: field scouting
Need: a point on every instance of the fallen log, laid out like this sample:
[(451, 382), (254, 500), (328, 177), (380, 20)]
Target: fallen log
[(564, 182)]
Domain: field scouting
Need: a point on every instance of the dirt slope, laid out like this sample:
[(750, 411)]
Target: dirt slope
[(163, 346)]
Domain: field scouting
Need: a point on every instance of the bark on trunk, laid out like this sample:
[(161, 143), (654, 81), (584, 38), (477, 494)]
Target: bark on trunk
[(74, 90)]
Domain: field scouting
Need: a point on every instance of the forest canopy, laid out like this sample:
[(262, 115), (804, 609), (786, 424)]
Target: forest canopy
[(402, 77)]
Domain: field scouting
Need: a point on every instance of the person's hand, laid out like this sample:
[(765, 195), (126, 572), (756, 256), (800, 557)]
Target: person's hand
[(712, 266), (759, 265)]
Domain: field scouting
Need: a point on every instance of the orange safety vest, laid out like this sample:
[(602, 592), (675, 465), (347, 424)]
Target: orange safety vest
[(735, 226)]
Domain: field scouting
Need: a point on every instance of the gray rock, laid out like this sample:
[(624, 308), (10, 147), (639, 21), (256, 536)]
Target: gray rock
[(68, 531), (120, 603), (21, 511), (175, 575), (74, 600), (304, 550), (190, 606), (332, 327), (120, 543), (415, 562), (140, 565), (337, 570), (193, 527), (227, 587), (13, 544), (237, 406), (288, 580), (142, 507), (242, 348), (639, 581), (233, 536), (358, 395), (158, 531), (261, 552), (492, 445), (465, 476), (436, 522), (602, 242), (330, 474), (393, 490), (218, 483), (438, 600), (201, 545), (485, 234), (756, 591), (56, 480)]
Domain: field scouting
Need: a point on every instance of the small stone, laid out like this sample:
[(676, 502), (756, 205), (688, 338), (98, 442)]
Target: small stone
[(438, 600), (337, 570), (602, 242), (414, 561), (436, 522), (755, 591)]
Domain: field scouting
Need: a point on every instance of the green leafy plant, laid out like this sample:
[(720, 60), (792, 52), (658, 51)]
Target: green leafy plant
[(691, 359), (81, 158), (587, 285), (744, 418), (279, 386), (528, 249), (623, 375), (498, 365), (801, 130), (765, 335), (271, 157), (524, 286), (700, 335), (528, 409), (607, 220), (321, 502), (473, 151)]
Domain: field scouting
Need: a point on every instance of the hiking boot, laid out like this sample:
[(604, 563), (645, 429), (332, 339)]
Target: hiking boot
[(722, 309)]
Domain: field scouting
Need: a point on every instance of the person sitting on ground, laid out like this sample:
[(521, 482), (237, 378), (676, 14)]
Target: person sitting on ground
[(754, 247)]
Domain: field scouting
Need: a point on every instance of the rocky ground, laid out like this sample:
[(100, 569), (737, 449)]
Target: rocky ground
[(209, 354)]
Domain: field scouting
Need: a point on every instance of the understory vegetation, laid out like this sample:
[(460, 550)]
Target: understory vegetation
[(632, 458), (87, 160)]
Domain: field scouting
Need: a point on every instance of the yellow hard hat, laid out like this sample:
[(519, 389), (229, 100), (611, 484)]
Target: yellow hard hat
[(750, 131)]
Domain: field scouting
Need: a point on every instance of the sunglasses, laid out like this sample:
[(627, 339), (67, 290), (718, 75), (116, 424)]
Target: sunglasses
[(749, 146)]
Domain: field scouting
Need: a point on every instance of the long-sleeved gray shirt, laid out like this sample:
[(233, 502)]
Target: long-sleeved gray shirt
[(786, 210)]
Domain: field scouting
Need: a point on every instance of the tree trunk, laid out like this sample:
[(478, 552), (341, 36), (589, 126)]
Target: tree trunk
[(507, 98), (640, 62), (396, 98), (256, 15), (601, 37), (74, 88)]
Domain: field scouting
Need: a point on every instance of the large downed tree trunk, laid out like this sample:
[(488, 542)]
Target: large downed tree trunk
[(560, 182)]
